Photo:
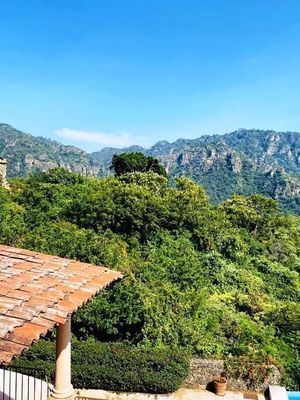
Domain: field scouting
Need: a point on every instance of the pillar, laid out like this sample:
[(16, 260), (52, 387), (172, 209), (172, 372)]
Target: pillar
[(3, 166), (63, 389)]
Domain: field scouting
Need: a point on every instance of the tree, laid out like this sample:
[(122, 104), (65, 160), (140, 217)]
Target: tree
[(58, 176), (218, 279), (136, 162)]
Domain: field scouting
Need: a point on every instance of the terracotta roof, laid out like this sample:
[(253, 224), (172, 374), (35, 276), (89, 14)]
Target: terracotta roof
[(38, 291)]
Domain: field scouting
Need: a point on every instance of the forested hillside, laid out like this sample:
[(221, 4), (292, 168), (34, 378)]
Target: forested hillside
[(26, 153), (219, 280), (241, 162)]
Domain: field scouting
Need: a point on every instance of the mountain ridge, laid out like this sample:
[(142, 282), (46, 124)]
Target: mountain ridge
[(244, 161)]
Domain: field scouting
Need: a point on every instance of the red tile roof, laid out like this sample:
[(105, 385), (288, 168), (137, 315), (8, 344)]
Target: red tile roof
[(38, 291)]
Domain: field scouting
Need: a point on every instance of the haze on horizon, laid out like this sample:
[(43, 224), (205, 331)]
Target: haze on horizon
[(96, 74)]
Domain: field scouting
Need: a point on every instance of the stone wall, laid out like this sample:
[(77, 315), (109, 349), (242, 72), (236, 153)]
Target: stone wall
[(202, 372), (3, 165)]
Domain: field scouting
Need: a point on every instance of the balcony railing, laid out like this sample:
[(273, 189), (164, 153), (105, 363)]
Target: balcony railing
[(22, 383)]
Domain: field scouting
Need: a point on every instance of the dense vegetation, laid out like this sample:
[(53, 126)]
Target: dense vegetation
[(136, 162), (241, 162), (115, 366), (218, 280)]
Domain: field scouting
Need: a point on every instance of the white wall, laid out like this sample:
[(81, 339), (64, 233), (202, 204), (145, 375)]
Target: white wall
[(15, 386)]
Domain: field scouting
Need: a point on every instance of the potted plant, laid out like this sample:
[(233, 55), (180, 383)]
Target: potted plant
[(220, 384)]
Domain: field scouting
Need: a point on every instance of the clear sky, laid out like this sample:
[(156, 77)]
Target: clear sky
[(98, 73)]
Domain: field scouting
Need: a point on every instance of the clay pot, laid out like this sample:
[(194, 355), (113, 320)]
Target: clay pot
[(220, 384)]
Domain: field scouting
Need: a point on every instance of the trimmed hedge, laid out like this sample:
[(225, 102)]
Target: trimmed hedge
[(115, 366)]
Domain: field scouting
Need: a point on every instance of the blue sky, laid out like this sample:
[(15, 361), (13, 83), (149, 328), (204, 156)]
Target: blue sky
[(112, 73)]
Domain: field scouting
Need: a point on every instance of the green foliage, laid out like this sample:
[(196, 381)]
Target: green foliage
[(12, 224), (59, 176), (254, 374), (115, 366), (242, 162), (151, 180), (136, 162), (217, 279)]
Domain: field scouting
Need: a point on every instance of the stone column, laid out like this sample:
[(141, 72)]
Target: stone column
[(63, 389), (3, 165)]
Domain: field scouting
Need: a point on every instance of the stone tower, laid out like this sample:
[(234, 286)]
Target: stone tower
[(3, 165)]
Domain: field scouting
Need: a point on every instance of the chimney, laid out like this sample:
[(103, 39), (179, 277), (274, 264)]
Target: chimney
[(3, 165)]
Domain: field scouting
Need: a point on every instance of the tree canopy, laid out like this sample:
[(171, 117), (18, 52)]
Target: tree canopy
[(218, 280), (136, 162)]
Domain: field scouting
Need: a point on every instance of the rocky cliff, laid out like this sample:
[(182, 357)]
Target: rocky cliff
[(26, 153), (244, 161)]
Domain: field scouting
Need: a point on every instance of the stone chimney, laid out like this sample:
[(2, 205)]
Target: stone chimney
[(3, 165)]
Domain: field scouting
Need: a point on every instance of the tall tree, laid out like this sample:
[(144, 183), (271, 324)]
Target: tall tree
[(136, 162)]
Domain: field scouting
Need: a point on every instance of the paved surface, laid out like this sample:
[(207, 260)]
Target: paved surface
[(198, 394), (181, 394)]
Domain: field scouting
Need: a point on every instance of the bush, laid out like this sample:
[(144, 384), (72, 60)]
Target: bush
[(115, 366), (218, 279)]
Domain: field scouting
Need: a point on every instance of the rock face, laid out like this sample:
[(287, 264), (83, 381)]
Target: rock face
[(26, 154), (234, 162), (241, 162), (244, 162), (202, 372)]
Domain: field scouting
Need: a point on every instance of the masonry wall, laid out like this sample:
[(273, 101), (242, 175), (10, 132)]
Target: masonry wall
[(202, 372), (3, 165)]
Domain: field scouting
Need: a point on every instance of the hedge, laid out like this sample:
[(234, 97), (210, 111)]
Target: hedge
[(115, 366)]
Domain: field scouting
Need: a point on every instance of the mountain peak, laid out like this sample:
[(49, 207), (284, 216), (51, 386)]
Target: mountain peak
[(244, 161)]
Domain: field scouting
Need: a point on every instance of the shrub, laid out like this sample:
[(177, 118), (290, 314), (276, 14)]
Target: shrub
[(254, 374), (115, 366)]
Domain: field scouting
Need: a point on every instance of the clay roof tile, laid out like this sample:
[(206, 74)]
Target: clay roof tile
[(39, 291)]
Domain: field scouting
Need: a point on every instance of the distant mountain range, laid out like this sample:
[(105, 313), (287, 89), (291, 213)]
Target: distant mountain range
[(244, 161)]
